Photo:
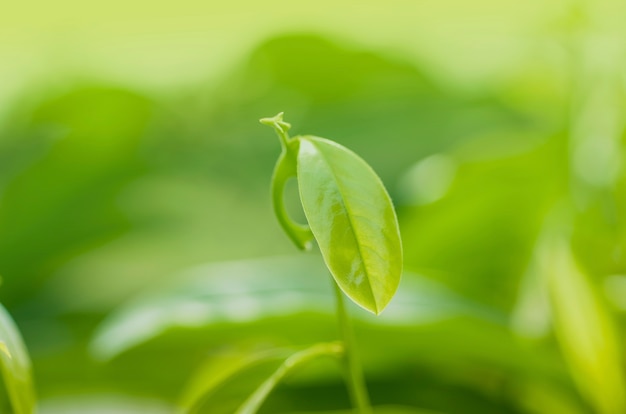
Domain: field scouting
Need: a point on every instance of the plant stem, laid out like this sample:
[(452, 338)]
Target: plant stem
[(254, 402), (354, 373)]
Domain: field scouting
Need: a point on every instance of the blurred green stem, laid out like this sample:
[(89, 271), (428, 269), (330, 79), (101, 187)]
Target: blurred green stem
[(354, 373), (254, 402)]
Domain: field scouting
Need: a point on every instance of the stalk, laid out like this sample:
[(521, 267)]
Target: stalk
[(354, 373)]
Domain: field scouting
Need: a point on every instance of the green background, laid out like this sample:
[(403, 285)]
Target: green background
[(137, 240)]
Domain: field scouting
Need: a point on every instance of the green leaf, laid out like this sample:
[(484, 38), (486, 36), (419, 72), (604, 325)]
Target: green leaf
[(15, 366), (217, 293), (584, 327), (353, 220)]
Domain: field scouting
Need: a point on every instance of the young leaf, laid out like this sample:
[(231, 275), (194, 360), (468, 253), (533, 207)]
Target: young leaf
[(353, 220), (284, 170), (15, 366)]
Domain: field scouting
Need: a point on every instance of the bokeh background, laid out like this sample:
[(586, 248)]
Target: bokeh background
[(137, 241)]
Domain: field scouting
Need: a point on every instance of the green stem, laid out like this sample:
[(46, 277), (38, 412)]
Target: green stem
[(254, 402), (281, 127), (355, 378)]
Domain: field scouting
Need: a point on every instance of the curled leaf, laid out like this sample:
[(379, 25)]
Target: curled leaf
[(285, 169)]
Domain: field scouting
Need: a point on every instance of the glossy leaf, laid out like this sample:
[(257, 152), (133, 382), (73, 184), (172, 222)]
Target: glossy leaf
[(353, 220), (15, 366)]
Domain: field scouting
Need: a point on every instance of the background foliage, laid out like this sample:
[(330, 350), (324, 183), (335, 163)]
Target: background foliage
[(137, 242)]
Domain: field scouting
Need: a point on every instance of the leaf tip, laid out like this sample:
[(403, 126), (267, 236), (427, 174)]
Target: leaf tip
[(379, 309)]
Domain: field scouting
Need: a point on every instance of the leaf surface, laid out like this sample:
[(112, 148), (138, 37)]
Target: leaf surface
[(353, 220)]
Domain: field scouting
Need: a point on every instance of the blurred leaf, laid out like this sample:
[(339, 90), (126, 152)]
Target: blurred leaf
[(288, 302), (358, 237), (249, 291), (16, 367), (485, 225), (583, 324), (377, 410), (102, 403), (236, 292), (599, 234), (539, 397), (64, 202)]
